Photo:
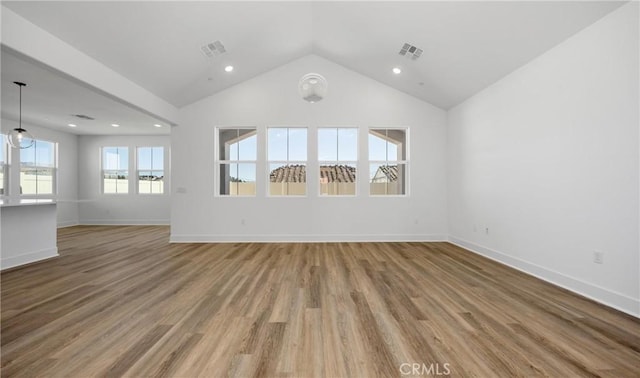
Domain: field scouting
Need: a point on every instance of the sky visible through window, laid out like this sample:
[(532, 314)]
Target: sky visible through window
[(337, 144), (40, 154), (151, 158), (116, 159)]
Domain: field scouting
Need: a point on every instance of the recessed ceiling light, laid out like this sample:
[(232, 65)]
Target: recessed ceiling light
[(157, 125), (72, 125), (115, 125), (396, 70), (228, 68)]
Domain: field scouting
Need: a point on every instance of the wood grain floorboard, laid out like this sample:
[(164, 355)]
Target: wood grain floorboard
[(121, 301)]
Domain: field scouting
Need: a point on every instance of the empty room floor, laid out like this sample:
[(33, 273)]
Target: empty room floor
[(122, 301)]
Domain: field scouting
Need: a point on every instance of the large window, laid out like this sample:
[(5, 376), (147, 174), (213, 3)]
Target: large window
[(150, 170), (115, 170), (338, 156), (3, 165), (388, 161), (38, 168), (237, 154), (287, 161)]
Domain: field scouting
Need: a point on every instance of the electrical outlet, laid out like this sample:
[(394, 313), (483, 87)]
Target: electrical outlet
[(598, 257)]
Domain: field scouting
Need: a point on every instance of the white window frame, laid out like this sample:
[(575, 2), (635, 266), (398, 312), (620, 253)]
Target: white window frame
[(287, 162), (138, 170), (4, 165), (387, 162), (102, 171), (338, 161), (220, 162), (54, 173)]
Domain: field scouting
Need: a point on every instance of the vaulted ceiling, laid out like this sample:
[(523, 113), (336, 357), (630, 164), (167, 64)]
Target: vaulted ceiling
[(466, 45)]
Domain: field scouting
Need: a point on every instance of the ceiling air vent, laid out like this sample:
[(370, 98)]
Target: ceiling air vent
[(410, 51), (213, 49), (83, 116)]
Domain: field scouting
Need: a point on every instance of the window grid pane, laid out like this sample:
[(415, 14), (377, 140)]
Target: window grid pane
[(150, 170), (388, 162), (115, 168), (337, 155), (287, 155), (237, 161), (37, 168)]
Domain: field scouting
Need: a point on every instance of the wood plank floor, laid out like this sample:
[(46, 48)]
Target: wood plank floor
[(122, 301)]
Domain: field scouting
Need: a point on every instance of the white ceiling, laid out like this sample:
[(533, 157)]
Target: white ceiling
[(467, 45), (50, 99)]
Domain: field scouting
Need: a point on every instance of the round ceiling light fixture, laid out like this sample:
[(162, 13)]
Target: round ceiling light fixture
[(312, 87), (397, 70), (228, 69)]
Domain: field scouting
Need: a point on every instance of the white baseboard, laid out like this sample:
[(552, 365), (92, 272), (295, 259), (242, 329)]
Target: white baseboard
[(68, 224), (125, 222), (27, 258), (310, 238), (599, 294)]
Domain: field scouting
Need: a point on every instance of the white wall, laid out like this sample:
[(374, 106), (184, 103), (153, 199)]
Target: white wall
[(132, 208), (272, 99), (547, 160), (67, 184)]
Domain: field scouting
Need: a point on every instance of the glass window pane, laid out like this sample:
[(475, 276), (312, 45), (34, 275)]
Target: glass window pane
[(327, 144), (387, 179), (157, 161), (151, 182), (227, 149), (109, 158), (44, 184), (348, 144), (277, 144), (28, 180), (397, 144), (287, 179), (297, 144), (238, 179), (44, 154), (123, 160), (115, 158), (115, 181), (144, 182), (28, 156), (377, 145), (338, 179), (144, 157), (247, 144)]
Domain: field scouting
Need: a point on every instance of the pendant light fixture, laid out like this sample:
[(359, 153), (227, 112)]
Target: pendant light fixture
[(19, 137)]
